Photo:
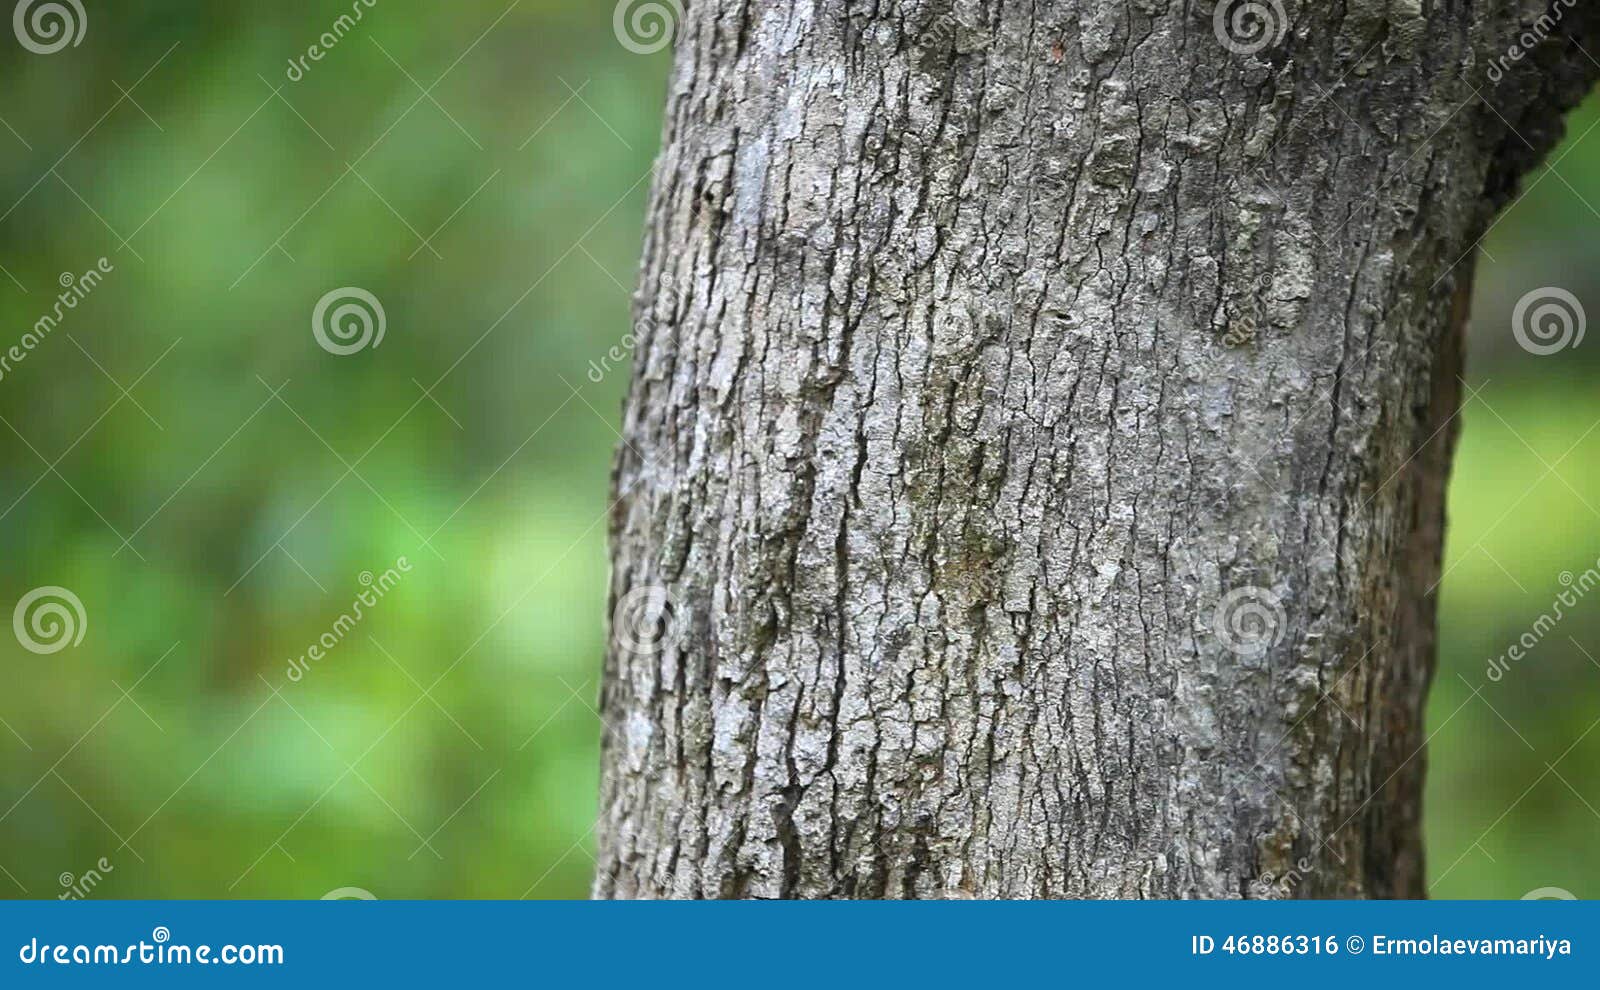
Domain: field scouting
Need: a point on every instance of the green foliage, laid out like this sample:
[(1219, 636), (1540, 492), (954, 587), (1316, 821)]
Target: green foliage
[(251, 518), (1512, 802)]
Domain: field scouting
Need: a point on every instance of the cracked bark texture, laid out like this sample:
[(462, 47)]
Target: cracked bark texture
[(986, 347)]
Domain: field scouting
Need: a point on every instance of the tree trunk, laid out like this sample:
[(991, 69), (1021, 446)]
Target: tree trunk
[(1038, 435)]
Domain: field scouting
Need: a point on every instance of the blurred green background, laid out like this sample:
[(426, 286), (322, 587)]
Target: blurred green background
[(482, 169), (1513, 796)]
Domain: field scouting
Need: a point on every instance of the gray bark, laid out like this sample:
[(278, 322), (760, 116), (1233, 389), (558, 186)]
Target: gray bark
[(1038, 433)]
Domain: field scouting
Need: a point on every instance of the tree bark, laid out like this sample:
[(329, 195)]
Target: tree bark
[(1038, 435)]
